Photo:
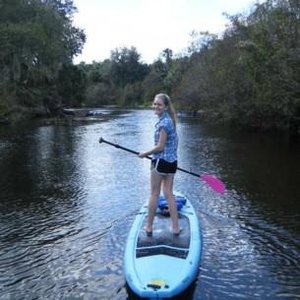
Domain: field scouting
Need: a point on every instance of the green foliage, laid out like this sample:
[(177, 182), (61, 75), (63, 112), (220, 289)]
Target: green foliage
[(154, 81), (131, 95), (125, 66), (249, 76), (100, 88), (71, 85), (267, 56), (36, 39), (116, 81)]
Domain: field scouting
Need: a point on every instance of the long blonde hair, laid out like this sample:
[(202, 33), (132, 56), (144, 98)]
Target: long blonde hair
[(170, 108)]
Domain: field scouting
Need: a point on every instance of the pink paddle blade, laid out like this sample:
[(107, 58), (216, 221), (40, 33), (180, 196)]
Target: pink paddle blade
[(215, 183)]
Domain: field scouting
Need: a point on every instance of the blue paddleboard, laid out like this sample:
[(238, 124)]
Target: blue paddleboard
[(163, 265)]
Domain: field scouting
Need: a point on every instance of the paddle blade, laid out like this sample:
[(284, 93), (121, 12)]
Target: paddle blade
[(215, 183)]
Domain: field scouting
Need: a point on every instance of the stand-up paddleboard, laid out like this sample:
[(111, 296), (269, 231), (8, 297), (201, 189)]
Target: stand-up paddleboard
[(163, 265)]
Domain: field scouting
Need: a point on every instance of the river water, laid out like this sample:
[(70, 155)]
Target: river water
[(67, 204)]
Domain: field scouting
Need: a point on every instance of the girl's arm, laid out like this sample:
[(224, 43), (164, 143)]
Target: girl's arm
[(159, 147)]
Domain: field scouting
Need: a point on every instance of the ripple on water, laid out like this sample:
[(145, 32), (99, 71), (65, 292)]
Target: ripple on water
[(67, 209), (243, 254)]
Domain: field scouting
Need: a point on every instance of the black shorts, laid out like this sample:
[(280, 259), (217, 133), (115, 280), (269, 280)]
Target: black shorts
[(164, 167)]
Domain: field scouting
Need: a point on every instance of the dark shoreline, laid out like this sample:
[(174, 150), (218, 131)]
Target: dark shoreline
[(69, 116)]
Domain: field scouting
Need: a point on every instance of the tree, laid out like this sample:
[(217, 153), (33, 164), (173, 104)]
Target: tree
[(36, 39), (100, 88), (251, 75), (126, 66), (71, 83), (154, 81)]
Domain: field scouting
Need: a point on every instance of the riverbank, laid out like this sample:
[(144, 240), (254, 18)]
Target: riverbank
[(64, 116), (71, 116)]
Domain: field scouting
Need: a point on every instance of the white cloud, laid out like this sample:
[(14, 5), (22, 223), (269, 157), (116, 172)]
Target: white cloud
[(149, 25)]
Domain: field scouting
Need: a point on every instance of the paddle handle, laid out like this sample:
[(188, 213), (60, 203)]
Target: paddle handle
[(102, 140)]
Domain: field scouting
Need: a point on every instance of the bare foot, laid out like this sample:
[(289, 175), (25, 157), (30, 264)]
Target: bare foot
[(177, 232), (148, 231)]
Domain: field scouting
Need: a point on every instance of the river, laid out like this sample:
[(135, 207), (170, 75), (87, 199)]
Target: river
[(67, 204)]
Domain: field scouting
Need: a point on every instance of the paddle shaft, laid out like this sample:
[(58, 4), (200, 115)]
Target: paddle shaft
[(102, 140)]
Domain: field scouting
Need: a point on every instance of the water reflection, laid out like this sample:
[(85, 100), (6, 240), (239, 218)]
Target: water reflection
[(67, 204)]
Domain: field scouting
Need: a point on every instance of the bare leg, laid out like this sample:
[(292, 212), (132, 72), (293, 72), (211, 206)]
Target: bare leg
[(155, 181), (168, 192)]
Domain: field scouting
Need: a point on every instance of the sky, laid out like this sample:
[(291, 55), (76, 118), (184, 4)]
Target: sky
[(149, 25)]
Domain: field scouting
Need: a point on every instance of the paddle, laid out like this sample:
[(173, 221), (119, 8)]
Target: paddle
[(215, 183)]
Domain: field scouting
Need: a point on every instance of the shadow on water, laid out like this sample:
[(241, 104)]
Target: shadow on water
[(67, 204)]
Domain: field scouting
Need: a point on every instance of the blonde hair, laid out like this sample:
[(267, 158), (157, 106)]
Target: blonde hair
[(170, 108)]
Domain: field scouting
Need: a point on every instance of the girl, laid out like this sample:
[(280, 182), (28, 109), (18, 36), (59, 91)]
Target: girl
[(164, 160)]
